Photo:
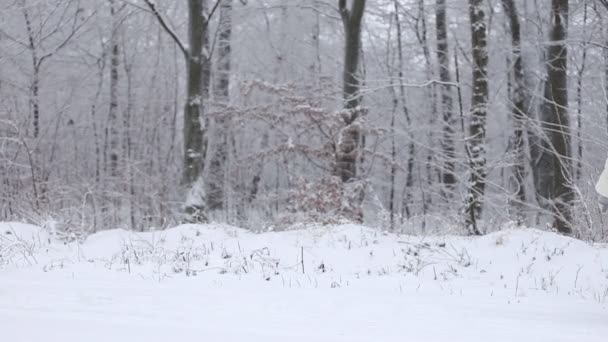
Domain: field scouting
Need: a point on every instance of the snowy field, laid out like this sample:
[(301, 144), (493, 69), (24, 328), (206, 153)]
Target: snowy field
[(342, 283)]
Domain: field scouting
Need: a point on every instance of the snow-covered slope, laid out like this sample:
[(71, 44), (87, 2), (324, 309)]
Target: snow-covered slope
[(338, 283)]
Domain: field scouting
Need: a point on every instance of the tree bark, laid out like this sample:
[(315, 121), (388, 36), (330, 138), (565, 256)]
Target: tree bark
[(475, 143), (579, 97), (113, 120), (350, 136), (411, 148), (519, 99), (35, 86), (555, 164), (605, 54), (217, 164), (348, 147), (448, 178), (113, 110), (194, 147)]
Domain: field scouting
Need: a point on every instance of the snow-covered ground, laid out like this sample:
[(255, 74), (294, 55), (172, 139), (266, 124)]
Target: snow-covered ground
[(340, 283)]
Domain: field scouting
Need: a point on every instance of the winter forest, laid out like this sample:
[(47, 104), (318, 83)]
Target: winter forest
[(406, 115), (304, 170)]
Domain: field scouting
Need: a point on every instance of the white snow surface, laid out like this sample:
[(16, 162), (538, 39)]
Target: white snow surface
[(221, 283)]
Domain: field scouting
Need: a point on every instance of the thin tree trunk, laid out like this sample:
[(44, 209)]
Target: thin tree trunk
[(217, 164), (113, 124), (128, 144), (519, 100), (97, 143), (35, 86), (448, 178), (316, 33), (391, 203), (606, 75), (409, 177), (579, 98), (35, 158), (431, 166), (475, 143), (113, 111)]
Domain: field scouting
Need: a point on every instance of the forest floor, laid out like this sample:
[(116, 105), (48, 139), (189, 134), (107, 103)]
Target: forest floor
[(324, 283)]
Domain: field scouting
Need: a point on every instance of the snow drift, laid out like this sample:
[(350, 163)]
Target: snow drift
[(355, 283)]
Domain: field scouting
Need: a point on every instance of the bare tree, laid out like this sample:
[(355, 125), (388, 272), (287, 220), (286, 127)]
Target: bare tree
[(65, 30), (196, 54), (42, 48)]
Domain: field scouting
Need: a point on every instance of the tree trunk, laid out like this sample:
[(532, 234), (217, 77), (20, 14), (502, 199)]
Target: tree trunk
[(555, 165), (194, 154), (432, 168), (128, 145), (35, 161), (113, 123), (35, 86), (606, 75), (411, 148), (113, 111), (217, 164), (579, 97), (448, 178), (519, 99), (350, 137), (316, 39), (475, 143)]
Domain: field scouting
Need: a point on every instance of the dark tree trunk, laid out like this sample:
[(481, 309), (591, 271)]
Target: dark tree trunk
[(349, 144), (112, 123), (113, 111), (448, 178), (194, 147), (519, 99), (554, 168), (475, 143), (348, 147), (579, 98)]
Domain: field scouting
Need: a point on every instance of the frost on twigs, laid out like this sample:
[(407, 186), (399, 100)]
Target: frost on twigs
[(19, 244)]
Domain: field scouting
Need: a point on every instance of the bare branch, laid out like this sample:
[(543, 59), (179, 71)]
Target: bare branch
[(75, 28), (166, 27)]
